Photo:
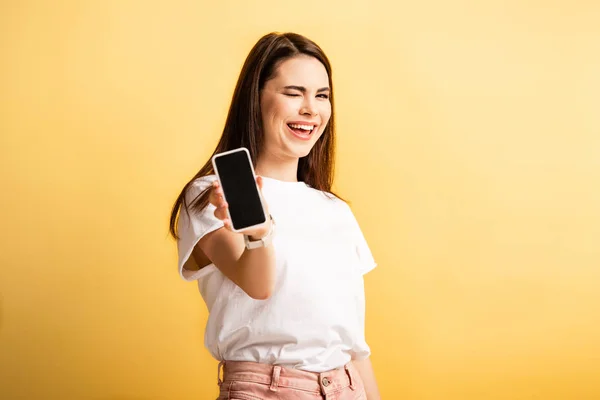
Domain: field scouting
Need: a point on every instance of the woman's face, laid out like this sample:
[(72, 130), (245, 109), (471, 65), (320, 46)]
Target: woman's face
[(295, 107)]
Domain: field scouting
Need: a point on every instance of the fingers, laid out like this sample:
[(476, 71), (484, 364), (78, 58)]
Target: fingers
[(217, 199), (221, 212), (216, 194)]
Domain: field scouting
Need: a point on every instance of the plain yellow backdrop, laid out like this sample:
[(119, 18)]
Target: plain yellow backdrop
[(469, 147)]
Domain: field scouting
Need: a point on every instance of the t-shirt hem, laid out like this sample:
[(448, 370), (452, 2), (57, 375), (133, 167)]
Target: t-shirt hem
[(369, 269)]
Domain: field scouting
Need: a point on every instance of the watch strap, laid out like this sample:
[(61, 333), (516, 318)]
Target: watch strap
[(262, 242)]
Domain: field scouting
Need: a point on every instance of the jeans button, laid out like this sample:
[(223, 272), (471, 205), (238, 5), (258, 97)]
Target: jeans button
[(326, 382)]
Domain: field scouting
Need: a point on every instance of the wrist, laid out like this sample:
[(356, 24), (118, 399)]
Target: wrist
[(262, 237), (259, 235), (263, 231)]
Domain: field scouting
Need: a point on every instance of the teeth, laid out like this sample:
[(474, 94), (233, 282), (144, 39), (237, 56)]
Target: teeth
[(304, 127)]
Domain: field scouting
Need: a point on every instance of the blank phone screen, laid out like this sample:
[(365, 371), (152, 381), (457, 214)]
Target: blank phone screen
[(239, 186)]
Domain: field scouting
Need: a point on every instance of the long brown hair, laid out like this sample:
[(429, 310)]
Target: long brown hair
[(243, 127)]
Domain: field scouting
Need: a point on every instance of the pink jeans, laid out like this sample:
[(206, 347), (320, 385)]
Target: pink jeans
[(253, 381)]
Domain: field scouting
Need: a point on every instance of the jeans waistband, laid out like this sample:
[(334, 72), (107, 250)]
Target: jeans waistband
[(277, 376)]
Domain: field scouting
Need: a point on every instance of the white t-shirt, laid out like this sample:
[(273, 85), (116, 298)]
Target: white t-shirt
[(314, 319)]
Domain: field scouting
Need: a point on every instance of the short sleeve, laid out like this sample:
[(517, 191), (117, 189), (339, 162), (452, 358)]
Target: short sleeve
[(365, 257), (361, 349), (367, 262), (192, 226)]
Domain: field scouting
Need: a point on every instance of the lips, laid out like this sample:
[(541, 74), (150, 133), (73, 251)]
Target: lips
[(301, 130)]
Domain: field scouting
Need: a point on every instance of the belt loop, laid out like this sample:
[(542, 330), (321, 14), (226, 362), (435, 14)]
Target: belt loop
[(219, 381), (275, 378), (350, 378)]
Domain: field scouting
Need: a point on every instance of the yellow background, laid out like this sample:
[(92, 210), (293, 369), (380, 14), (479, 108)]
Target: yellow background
[(469, 145)]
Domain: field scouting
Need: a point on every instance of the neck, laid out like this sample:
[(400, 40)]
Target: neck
[(274, 167)]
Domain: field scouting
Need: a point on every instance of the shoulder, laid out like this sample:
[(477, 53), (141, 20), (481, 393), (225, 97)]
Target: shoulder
[(198, 186), (202, 183)]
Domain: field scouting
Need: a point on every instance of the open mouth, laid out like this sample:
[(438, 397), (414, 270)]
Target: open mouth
[(302, 131)]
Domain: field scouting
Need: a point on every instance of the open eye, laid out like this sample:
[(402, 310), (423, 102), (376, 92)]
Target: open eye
[(323, 96)]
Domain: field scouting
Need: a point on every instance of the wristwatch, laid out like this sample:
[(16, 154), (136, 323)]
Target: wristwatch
[(262, 242)]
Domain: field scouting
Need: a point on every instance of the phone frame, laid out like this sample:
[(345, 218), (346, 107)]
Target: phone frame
[(262, 203)]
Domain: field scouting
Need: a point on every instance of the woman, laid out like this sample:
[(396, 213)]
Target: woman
[(286, 320)]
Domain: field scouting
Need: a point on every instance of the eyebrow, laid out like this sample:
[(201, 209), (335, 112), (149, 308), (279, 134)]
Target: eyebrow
[(303, 89)]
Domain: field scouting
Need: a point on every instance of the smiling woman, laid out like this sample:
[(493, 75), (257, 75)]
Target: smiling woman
[(295, 101), (278, 331)]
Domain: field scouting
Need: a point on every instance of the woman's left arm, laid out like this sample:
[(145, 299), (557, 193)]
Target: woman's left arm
[(365, 369)]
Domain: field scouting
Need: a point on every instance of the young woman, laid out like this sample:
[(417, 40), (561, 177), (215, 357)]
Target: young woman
[(286, 320)]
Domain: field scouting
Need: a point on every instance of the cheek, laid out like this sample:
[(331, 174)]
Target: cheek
[(285, 109), (275, 111)]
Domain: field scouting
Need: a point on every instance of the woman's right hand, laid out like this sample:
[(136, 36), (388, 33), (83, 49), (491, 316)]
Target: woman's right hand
[(254, 271), (217, 199)]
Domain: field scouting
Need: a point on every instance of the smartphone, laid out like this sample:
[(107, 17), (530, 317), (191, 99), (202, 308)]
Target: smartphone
[(236, 176)]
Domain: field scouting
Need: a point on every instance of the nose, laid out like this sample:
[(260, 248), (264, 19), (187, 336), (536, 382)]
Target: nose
[(308, 107)]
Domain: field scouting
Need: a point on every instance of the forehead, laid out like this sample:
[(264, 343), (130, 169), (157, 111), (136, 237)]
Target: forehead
[(302, 71)]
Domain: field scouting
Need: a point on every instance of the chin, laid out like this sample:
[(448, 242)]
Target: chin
[(304, 153), (300, 151)]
